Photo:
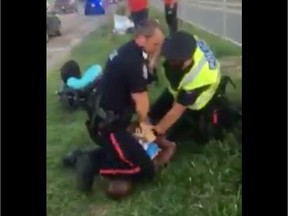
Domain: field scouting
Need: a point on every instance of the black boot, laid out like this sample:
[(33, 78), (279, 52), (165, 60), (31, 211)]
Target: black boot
[(86, 170), (69, 161)]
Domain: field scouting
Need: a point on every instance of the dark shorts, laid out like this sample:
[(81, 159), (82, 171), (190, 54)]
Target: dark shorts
[(139, 16)]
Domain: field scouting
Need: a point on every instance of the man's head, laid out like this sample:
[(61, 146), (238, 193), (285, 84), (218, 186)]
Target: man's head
[(149, 36), (179, 49)]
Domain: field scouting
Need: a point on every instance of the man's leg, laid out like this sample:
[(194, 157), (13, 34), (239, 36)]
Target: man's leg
[(193, 125), (139, 17), (87, 167), (183, 127), (167, 16), (135, 18), (144, 15), (162, 105), (171, 18), (174, 21)]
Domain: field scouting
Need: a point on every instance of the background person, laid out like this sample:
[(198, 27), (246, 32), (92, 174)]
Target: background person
[(170, 7), (139, 11)]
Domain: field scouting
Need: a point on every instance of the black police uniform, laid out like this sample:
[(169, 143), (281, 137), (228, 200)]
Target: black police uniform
[(121, 155)]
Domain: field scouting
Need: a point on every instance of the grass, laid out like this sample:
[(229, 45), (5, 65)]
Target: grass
[(202, 181)]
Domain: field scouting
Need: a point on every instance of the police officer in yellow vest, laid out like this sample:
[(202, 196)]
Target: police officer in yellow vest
[(193, 75)]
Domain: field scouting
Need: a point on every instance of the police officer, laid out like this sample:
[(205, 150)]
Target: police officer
[(123, 92), (193, 76)]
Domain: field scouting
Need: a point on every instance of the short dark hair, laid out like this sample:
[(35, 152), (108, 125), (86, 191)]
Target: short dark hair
[(147, 28)]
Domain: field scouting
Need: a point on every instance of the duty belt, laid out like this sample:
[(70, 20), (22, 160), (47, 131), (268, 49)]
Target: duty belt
[(108, 116)]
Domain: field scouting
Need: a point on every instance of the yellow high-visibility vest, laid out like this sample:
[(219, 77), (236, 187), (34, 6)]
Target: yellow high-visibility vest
[(205, 71)]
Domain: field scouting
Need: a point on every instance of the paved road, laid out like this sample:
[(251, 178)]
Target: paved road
[(75, 27), (211, 18)]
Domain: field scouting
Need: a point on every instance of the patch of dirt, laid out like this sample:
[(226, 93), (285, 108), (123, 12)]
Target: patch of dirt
[(231, 66)]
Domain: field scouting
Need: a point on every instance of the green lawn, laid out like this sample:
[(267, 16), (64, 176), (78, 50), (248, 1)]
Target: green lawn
[(202, 181)]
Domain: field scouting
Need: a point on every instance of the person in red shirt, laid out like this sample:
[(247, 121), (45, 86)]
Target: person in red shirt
[(138, 10), (171, 15)]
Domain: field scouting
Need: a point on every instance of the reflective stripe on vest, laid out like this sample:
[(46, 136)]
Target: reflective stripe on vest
[(194, 72), (206, 96)]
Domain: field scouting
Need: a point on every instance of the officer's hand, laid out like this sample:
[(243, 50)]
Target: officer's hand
[(158, 130), (147, 131)]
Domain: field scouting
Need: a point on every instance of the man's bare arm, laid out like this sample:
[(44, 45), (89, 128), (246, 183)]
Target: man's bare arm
[(170, 118), (141, 101)]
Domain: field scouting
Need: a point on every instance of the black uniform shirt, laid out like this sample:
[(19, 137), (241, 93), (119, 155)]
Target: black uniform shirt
[(125, 72)]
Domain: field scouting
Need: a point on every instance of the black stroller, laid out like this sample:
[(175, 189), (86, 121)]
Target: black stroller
[(72, 98)]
